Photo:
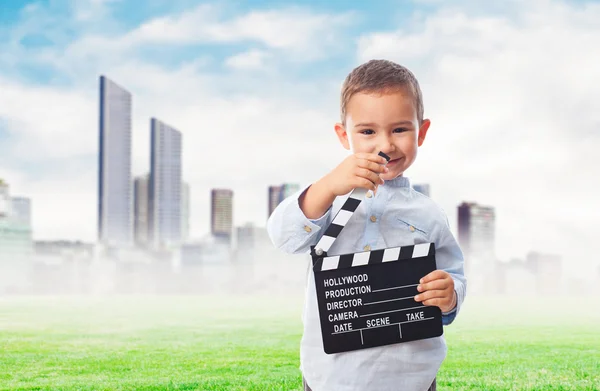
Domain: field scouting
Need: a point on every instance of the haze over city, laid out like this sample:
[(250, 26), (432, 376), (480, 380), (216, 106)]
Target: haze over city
[(255, 93)]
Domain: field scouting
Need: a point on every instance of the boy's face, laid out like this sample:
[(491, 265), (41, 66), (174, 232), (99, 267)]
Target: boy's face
[(384, 122)]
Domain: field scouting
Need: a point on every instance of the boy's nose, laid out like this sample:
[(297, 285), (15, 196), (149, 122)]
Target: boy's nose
[(387, 147)]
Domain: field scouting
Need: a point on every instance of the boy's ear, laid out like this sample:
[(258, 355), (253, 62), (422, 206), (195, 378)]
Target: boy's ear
[(423, 131), (340, 130)]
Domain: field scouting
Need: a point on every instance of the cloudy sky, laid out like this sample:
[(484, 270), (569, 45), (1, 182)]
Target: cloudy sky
[(512, 91)]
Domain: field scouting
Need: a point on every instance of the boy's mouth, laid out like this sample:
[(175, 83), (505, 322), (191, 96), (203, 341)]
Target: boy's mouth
[(393, 162)]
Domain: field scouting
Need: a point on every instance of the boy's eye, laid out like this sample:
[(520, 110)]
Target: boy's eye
[(370, 131)]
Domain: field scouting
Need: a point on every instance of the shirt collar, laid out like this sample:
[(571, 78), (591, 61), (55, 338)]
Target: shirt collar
[(399, 181)]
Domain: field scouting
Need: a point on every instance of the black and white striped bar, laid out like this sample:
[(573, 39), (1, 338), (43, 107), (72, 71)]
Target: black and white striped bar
[(342, 217), (374, 257), (340, 220)]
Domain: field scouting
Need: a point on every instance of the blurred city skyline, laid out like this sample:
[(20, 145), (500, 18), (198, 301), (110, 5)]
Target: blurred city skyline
[(513, 107)]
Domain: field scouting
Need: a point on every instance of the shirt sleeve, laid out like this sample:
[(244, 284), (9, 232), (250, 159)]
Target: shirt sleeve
[(290, 230), (449, 257)]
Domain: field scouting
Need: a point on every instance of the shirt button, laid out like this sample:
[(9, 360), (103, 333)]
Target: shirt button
[(373, 218), (369, 194), (412, 229), (307, 228), (367, 248)]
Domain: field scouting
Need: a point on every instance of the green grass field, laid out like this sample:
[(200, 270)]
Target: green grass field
[(192, 343)]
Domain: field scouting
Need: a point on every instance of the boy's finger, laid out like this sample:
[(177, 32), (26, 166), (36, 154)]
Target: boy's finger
[(366, 184), (369, 175), (434, 275), (435, 284), (437, 301), (372, 157), (431, 295), (372, 166)]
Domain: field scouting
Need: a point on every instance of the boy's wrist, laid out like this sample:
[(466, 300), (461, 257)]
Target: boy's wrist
[(454, 301), (325, 184), (316, 200)]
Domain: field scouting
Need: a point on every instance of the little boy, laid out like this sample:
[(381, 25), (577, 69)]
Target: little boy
[(381, 110)]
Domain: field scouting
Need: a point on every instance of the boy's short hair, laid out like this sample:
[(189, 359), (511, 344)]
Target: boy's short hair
[(380, 76)]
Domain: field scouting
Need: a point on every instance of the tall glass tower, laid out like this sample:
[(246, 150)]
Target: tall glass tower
[(164, 196), (221, 212), (280, 193), (115, 198), (476, 234), (140, 209)]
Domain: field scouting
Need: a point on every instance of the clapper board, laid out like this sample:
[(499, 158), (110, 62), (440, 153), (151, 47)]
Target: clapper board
[(366, 299)]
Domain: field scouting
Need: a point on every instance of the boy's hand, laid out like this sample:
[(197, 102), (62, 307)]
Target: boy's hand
[(437, 289), (357, 170)]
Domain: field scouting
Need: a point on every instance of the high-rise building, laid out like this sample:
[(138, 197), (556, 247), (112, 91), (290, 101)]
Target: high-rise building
[(250, 236), (222, 213), (512, 278), (21, 210), (251, 242), (140, 209), (423, 188), (280, 193), (165, 185), (476, 234), (5, 203), (245, 236), (288, 189), (548, 271), (16, 244), (597, 283), (274, 196), (115, 195), (185, 211)]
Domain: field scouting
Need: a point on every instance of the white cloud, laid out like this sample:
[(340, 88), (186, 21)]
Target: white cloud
[(515, 118), (85, 10), (47, 122), (293, 34), (250, 60), (296, 30)]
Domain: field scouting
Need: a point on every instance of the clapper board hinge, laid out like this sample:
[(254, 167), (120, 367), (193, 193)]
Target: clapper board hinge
[(340, 220)]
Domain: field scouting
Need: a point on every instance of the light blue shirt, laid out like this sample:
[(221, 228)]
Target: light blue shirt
[(396, 216)]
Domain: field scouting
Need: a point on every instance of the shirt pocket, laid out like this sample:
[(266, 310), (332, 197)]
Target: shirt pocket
[(411, 226), (412, 232)]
